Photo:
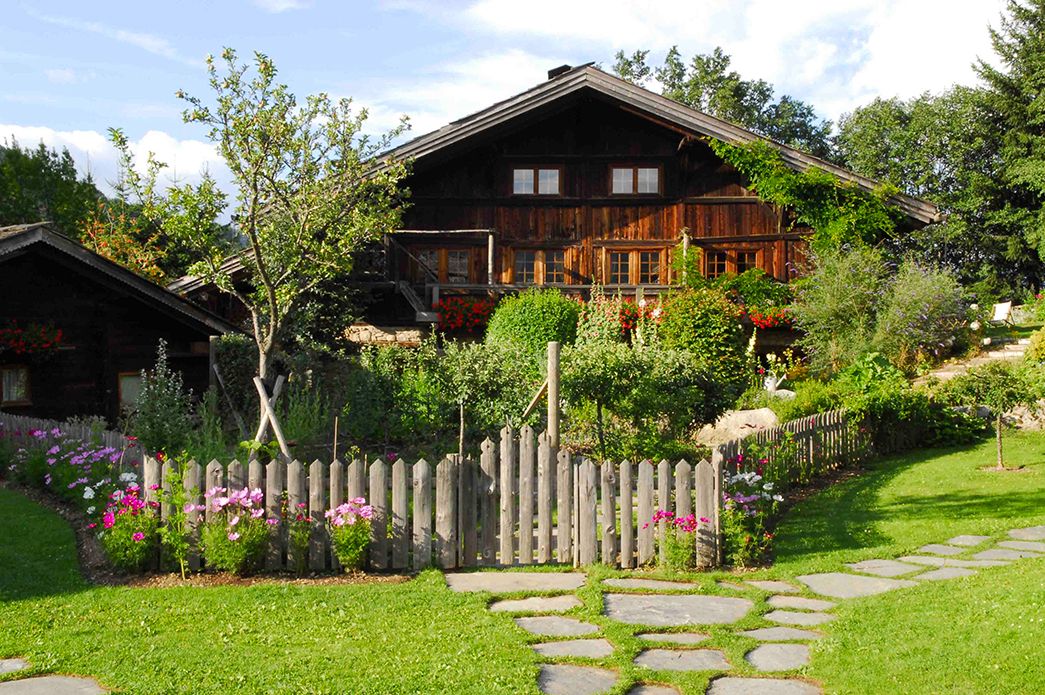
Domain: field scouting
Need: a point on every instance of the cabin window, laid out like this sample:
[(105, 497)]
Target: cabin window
[(15, 385), (746, 260), (620, 268), (427, 264), (635, 180), (130, 385), (715, 263), (525, 267), (649, 267), (457, 267), (536, 181), (554, 267)]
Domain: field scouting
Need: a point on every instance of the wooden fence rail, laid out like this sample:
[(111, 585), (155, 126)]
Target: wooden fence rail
[(19, 428)]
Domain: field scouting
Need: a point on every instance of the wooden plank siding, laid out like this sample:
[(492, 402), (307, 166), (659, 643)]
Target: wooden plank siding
[(698, 192)]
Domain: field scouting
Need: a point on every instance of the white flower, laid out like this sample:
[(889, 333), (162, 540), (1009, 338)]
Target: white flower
[(90, 510), (88, 493), (128, 477), (778, 498), (767, 486)]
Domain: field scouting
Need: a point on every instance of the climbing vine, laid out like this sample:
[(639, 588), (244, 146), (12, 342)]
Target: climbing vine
[(840, 213)]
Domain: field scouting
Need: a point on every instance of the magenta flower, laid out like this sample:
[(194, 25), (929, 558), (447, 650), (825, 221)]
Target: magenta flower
[(138, 537), (233, 536)]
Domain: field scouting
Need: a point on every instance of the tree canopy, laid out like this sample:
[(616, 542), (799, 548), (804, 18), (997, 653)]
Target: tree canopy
[(42, 184)]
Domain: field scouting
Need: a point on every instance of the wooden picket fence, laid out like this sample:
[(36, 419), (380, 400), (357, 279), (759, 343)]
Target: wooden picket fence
[(799, 451), (521, 503), (19, 428)]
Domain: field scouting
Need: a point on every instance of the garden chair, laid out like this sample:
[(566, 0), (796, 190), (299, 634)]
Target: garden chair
[(1002, 314)]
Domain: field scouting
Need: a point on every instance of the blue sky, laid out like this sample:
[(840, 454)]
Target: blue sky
[(69, 70)]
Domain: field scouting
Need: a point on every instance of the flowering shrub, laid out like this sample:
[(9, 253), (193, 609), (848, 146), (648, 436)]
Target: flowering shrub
[(129, 526), (349, 526), (747, 502), (235, 538), (458, 313), (299, 530), (680, 539), (770, 317), (34, 339)]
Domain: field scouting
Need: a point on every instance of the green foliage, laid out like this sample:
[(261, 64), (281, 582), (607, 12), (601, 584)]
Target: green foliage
[(175, 539), (840, 213), (529, 320), (705, 323), (207, 440), (162, 417), (42, 184), (130, 541), (305, 413), (753, 289), (998, 385), (707, 84), (350, 543), (1036, 348), (236, 357), (240, 556), (922, 317)]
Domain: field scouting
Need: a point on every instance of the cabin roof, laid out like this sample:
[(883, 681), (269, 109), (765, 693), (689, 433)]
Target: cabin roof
[(589, 78), (18, 239)]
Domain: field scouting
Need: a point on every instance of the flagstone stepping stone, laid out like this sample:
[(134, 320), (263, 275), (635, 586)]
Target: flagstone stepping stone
[(637, 583), (564, 679), (842, 585), (761, 686), (537, 604), (683, 660), (780, 634), (884, 568), (732, 585), (777, 587), (968, 541), (12, 665), (941, 549), (800, 602), (651, 689), (951, 562), (778, 657), (1033, 546), (796, 618), (590, 648), (674, 637), (1004, 554), (556, 626), (51, 685), (945, 573), (683, 609), (504, 582), (1031, 533)]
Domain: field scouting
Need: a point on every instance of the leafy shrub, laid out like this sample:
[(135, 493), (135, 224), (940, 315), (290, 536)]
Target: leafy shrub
[(299, 527), (679, 539), (922, 318), (463, 314), (529, 320), (128, 529), (836, 306), (162, 417), (349, 527), (306, 415), (207, 441), (748, 502), (234, 540), (175, 540), (237, 360), (755, 290), (707, 325), (1036, 348)]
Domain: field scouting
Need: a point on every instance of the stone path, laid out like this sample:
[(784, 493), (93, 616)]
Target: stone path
[(783, 642), (44, 685)]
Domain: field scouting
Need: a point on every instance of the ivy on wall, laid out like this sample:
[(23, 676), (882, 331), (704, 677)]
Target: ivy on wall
[(840, 213)]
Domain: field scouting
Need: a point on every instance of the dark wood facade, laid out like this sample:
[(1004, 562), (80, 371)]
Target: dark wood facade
[(111, 323)]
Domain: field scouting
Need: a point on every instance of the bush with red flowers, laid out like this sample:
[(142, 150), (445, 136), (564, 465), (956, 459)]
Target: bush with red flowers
[(460, 313), (771, 317), (33, 339)]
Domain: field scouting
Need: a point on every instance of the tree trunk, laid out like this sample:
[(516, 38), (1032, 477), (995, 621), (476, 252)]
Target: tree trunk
[(602, 437), (460, 430), (997, 429)]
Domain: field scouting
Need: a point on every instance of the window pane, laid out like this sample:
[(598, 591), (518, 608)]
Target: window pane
[(428, 265), (716, 263), (746, 260), (620, 268), (522, 181), (457, 267), (130, 387), (525, 266), (622, 180), (554, 266), (15, 385), (649, 268), (649, 181), (548, 181)]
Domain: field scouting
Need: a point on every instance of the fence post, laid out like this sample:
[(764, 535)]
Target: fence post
[(255, 475), (564, 505), (400, 511), (526, 474), (466, 501), (645, 512), (150, 479), (707, 508), (446, 514), (296, 501), (587, 527), (553, 395), (215, 479), (275, 484), (663, 502), (544, 499), (379, 522), (191, 483), (357, 479), (488, 505), (317, 537), (683, 486), (609, 514), (237, 478), (627, 528), (507, 530), (422, 515)]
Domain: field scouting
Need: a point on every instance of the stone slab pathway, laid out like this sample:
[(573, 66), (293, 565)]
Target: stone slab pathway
[(761, 686), (798, 618), (12, 665), (944, 573), (674, 637), (564, 679), (683, 660), (781, 634), (51, 685), (555, 626), (668, 611), (801, 603), (537, 604), (657, 584), (775, 586), (884, 568), (589, 648), (506, 582), (951, 562), (1033, 546), (778, 657), (1004, 554), (1031, 533), (967, 540), (941, 549), (842, 585), (652, 689)]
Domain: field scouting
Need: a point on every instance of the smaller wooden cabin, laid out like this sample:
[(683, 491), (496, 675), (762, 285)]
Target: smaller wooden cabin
[(76, 329)]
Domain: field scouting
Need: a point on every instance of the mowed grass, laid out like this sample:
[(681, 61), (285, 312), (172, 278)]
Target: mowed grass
[(414, 637), (979, 634)]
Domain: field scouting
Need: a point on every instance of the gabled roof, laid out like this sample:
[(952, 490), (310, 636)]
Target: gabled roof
[(18, 239), (587, 77)]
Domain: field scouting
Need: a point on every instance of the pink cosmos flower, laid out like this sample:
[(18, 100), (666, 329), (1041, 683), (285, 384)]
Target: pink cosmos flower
[(138, 537), (108, 519), (271, 522), (233, 536), (233, 521)]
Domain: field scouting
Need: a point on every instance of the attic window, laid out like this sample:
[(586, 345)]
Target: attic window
[(536, 181), (635, 180)]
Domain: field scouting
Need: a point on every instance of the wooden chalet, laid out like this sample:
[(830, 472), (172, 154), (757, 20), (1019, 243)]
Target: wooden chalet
[(110, 322), (584, 179)]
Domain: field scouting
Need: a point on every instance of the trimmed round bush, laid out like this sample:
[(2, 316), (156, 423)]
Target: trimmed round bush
[(1036, 349), (707, 324), (529, 320)]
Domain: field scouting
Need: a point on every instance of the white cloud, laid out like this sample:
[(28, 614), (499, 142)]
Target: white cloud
[(95, 155), (277, 6), (151, 43), (62, 75)]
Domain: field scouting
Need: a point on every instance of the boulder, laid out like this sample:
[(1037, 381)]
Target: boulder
[(735, 424)]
